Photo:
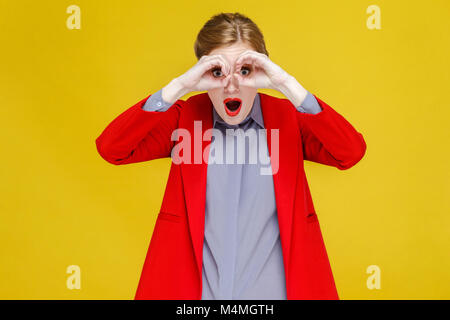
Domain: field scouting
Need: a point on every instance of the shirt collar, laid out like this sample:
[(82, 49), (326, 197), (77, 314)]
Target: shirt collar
[(255, 114)]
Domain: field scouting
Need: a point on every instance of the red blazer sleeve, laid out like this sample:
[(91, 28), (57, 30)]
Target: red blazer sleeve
[(330, 139), (137, 135)]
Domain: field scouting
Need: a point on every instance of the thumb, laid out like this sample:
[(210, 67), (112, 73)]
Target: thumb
[(227, 80)]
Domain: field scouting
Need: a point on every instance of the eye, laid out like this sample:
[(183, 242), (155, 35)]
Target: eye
[(247, 70), (217, 72)]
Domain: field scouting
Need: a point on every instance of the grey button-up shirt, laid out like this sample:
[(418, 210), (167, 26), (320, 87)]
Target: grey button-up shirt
[(242, 254)]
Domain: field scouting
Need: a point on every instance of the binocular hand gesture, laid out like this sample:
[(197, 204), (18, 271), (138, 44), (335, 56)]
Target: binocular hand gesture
[(252, 69), (201, 77)]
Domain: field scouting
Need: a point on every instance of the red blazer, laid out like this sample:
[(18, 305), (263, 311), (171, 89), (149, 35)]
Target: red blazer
[(173, 264)]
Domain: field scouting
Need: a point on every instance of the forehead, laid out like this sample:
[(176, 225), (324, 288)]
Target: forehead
[(231, 52)]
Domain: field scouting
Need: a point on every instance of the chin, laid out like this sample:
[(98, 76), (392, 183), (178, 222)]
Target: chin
[(234, 120)]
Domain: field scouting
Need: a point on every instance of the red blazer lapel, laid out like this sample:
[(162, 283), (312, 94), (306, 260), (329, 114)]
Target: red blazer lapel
[(194, 174), (276, 115)]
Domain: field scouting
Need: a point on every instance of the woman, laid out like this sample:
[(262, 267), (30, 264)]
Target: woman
[(230, 230)]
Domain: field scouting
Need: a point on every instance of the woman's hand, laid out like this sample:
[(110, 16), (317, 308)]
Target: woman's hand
[(201, 77), (263, 73)]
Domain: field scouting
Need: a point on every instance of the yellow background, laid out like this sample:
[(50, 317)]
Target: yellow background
[(62, 204)]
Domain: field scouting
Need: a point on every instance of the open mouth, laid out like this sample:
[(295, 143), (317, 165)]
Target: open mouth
[(232, 106)]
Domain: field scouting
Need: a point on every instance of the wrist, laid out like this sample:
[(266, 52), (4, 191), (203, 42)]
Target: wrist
[(173, 91), (294, 91)]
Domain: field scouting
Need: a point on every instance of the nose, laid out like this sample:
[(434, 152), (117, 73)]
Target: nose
[(232, 84)]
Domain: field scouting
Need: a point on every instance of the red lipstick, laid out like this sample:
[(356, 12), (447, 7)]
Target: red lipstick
[(232, 106)]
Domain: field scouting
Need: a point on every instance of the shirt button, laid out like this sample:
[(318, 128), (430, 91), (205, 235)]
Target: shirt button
[(159, 104)]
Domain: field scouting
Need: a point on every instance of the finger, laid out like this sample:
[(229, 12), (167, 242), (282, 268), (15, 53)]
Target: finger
[(244, 60), (226, 80), (259, 61), (211, 64), (249, 57), (227, 65), (247, 52), (226, 68), (257, 56)]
